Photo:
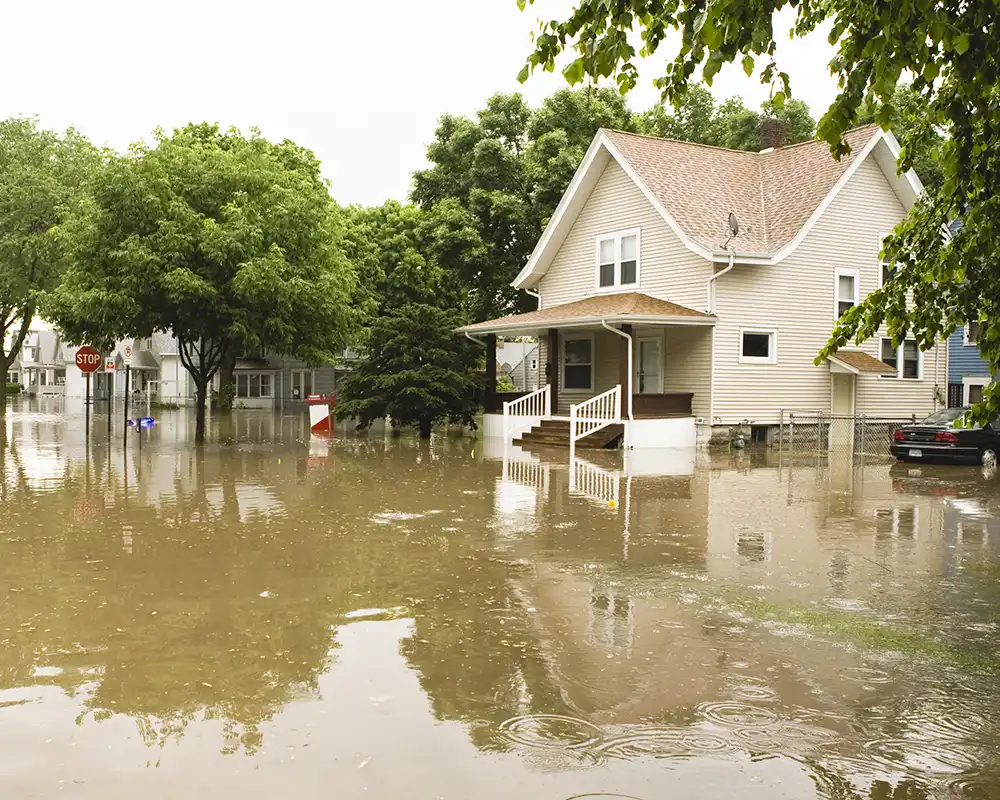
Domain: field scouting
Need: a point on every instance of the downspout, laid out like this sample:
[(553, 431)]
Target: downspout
[(712, 278), (624, 335), (538, 372), (472, 338), (937, 375), (536, 295)]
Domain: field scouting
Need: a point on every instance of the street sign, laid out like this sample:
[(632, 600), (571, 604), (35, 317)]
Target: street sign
[(109, 365), (127, 355), (88, 359)]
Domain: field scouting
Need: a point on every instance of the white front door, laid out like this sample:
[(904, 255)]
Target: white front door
[(649, 366)]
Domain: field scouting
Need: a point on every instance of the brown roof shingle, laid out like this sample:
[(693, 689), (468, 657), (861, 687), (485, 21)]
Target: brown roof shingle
[(862, 362), (601, 306), (772, 194)]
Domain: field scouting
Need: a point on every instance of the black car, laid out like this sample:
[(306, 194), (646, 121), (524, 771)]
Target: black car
[(943, 437)]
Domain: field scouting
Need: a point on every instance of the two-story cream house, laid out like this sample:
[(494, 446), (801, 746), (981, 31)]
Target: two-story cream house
[(642, 285)]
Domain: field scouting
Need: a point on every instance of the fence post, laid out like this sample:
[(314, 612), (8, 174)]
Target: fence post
[(791, 432), (781, 429), (863, 434), (572, 435)]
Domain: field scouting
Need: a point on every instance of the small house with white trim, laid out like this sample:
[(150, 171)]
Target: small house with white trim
[(660, 326)]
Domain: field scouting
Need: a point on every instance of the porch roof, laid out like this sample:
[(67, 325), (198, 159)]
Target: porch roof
[(623, 307), (860, 363)]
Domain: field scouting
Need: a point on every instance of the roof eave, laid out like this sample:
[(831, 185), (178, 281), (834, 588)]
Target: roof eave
[(590, 321)]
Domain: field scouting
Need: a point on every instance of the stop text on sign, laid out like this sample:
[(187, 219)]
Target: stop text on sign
[(88, 359)]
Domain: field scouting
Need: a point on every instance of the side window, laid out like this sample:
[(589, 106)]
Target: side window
[(888, 354), (846, 291), (618, 259), (885, 268)]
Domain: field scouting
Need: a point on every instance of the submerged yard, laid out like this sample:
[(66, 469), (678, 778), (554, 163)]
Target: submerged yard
[(375, 617)]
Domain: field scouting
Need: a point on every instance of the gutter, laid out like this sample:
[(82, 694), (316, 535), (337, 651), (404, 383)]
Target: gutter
[(536, 295), (604, 324), (714, 277)]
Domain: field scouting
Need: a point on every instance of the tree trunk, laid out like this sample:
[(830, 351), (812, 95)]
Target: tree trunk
[(425, 429), (200, 396)]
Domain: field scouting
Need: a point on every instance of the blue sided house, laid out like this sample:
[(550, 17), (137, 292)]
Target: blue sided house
[(968, 372)]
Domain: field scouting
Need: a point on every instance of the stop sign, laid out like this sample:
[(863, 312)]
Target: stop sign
[(88, 359)]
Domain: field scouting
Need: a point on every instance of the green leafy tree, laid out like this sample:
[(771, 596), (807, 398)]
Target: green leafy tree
[(909, 121), (952, 50), (43, 176), (500, 176), (414, 369), (697, 118), (223, 240)]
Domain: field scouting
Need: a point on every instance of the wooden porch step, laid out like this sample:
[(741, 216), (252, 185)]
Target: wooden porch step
[(555, 433)]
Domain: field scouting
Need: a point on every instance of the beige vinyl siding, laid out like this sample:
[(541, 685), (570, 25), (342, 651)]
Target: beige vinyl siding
[(667, 269), (796, 298), (688, 366)]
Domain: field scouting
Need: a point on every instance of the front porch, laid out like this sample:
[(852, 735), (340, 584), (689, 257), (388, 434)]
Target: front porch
[(628, 362)]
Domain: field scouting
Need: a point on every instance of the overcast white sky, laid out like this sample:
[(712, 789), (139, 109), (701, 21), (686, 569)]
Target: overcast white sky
[(360, 83)]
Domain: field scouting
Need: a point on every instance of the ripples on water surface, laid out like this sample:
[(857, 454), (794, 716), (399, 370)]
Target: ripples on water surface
[(270, 617)]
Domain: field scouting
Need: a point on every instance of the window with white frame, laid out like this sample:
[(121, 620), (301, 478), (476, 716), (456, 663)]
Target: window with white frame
[(254, 384), (758, 346), (846, 291), (974, 389), (885, 268), (972, 332), (905, 359), (578, 363), (12, 377), (618, 259)]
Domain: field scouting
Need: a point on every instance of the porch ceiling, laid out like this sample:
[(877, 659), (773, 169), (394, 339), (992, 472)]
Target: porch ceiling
[(632, 308)]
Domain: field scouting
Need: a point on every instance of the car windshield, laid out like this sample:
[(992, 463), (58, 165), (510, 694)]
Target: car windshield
[(946, 416)]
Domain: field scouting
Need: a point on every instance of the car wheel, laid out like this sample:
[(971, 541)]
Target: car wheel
[(989, 457)]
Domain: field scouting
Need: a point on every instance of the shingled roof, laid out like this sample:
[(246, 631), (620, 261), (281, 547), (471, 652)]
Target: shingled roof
[(621, 307), (772, 193), (777, 195)]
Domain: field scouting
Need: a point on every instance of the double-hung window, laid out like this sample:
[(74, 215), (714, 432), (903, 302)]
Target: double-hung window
[(972, 332), (885, 268), (578, 363), (905, 359), (618, 260), (254, 385), (846, 293)]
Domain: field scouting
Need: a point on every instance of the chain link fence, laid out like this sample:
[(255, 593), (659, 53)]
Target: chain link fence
[(859, 434)]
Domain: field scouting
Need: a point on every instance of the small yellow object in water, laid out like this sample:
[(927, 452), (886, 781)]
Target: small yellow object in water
[(611, 504)]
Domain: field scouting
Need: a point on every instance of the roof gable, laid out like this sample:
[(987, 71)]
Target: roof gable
[(777, 195)]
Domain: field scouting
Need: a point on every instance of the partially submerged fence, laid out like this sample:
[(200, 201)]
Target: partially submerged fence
[(860, 434)]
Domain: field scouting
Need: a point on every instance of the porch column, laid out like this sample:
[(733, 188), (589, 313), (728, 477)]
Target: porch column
[(491, 372), (624, 374), (552, 367)]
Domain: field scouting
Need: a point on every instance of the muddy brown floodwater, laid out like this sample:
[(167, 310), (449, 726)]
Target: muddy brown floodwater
[(385, 618)]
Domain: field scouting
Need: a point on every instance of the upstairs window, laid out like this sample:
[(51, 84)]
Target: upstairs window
[(972, 332), (618, 260), (845, 291), (886, 268)]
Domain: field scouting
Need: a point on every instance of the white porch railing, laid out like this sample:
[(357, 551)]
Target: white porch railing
[(591, 415), (525, 412)]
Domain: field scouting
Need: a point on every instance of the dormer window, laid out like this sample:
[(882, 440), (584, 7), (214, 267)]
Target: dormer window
[(618, 260)]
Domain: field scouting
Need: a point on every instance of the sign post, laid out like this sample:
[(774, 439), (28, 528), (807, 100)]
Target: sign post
[(89, 361), (127, 358), (109, 373)]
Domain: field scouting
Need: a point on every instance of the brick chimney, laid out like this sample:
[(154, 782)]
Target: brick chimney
[(773, 133)]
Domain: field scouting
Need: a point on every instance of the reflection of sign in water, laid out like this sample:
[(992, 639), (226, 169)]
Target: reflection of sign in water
[(85, 508)]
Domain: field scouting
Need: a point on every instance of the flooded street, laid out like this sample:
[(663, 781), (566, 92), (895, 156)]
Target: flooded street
[(388, 618)]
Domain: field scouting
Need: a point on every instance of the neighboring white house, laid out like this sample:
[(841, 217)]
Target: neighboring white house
[(638, 264)]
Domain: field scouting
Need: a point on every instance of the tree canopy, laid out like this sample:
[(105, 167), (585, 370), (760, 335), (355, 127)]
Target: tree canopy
[(414, 370), (950, 49), (217, 237), (43, 176)]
